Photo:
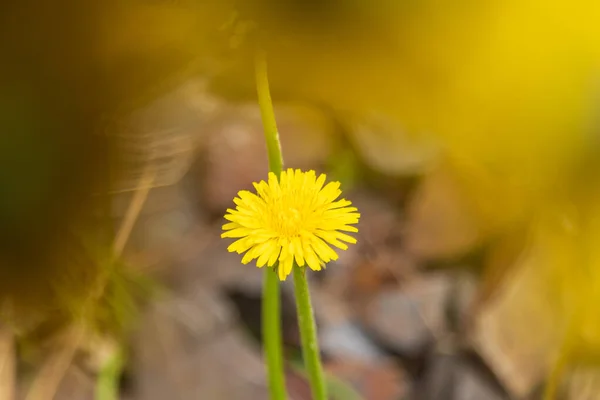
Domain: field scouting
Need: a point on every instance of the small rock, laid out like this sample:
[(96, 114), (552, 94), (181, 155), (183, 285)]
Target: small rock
[(584, 384), (379, 219), (372, 255), (410, 318), (76, 384), (384, 268), (297, 384), (307, 135), (450, 377), (503, 254), (236, 157), (382, 380), (387, 148), (336, 279), (340, 335), (228, 367), (215, 266), (439, 222), (517, 331), (188, 349), (249, 306), (464, 293), (471, 386), (347, 340), (164, 229), (199, 312)]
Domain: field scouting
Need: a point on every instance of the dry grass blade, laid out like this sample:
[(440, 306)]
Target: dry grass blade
[(133, 211), (7, 364), (46, 383)]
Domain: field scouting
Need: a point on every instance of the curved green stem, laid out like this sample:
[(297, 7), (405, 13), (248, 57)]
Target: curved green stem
[(271, 307), (268, 115), (308, 335)]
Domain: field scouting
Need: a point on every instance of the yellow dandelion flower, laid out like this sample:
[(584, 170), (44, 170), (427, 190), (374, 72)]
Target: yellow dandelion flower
[(293, 218)]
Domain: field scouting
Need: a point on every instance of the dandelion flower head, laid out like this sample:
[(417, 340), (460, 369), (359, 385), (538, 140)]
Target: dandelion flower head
[(294, 218)]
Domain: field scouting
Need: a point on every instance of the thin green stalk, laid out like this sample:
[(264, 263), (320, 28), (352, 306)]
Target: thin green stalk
[(268, 115), (107, 383), (271, 307), (308, 335)]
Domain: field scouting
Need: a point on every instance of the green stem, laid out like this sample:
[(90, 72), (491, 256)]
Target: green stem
[(107, 383), (308, 335), (268, 115), (271, 307)]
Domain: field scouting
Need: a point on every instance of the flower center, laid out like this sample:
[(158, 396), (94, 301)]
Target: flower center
[(288, 221)]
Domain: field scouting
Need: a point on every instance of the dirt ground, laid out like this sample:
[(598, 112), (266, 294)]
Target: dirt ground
[(399, 314)]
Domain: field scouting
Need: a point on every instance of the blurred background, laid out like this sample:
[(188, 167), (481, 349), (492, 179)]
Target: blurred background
[(466, 133)]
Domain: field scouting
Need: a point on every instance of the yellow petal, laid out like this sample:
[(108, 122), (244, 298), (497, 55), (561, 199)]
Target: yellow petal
[(249, 256), (236, 233), (274, 254), (320, 182), (324, 252), (266, 251), (285, 268), (311, 258), (298, 252), (333, 237), (231, 225), (240, 246), (330, 238)]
